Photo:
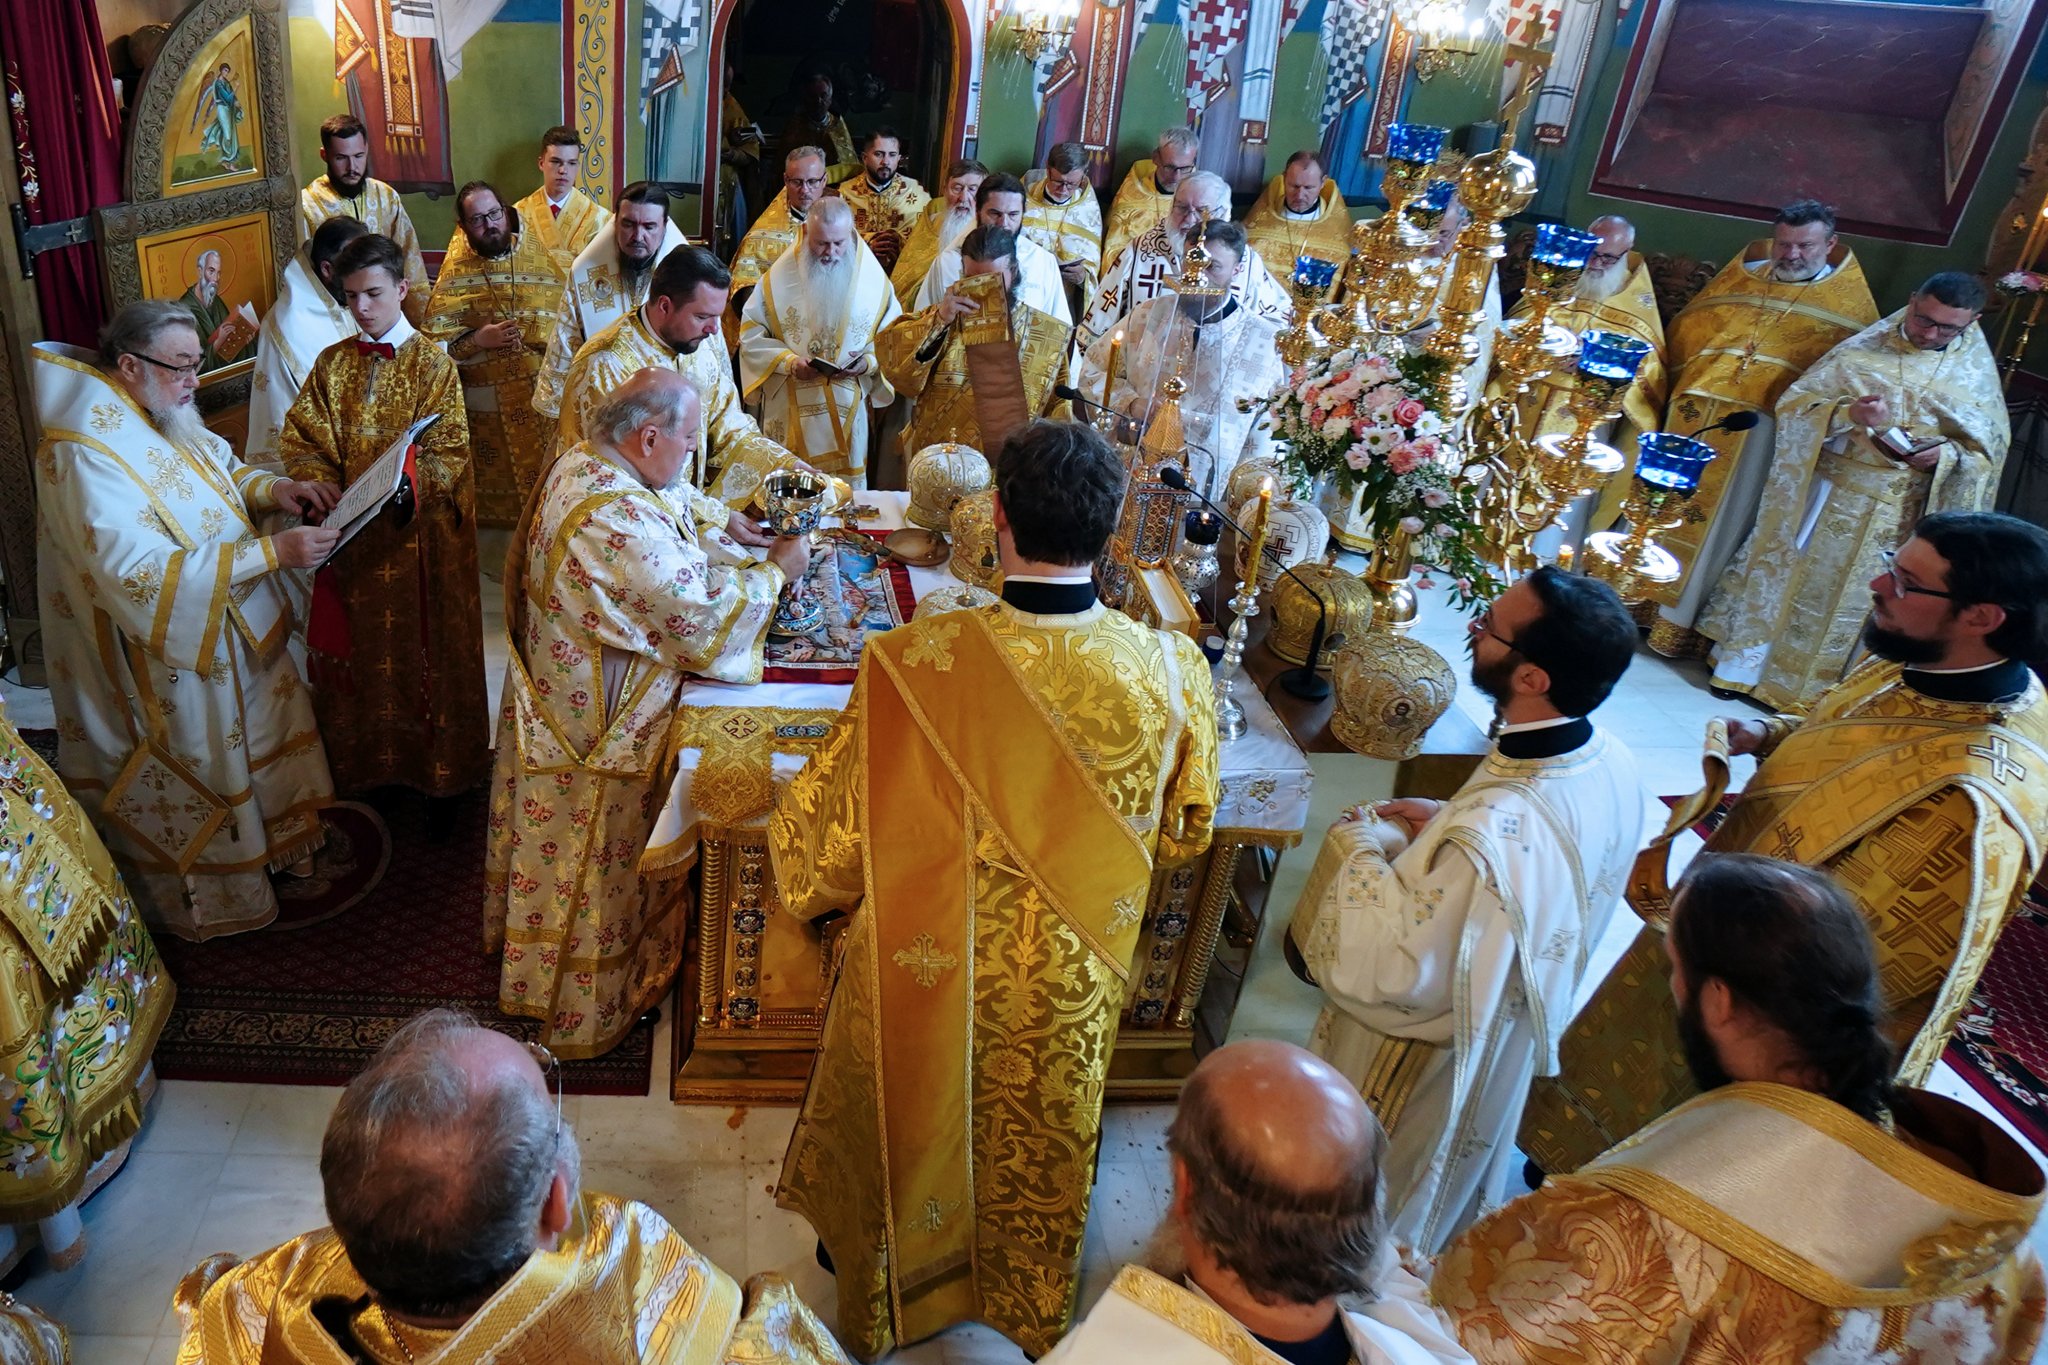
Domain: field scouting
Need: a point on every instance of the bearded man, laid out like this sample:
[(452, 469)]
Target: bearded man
[(1843, 488), (1920, 783), (183, 727), (349, 189), (1301, 214), (1151, 265), (494, 309), (807, 347), (563, 217), (686, 299), (209, 309), (1146, 195), (307, 318), (999, 203), (1061, 215), (945, 220), (622, 569), (1221, 349), (608, 280), (924, 355), (1737, 347), (885, 202)]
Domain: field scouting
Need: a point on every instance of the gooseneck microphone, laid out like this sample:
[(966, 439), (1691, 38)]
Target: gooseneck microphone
[(1734, 421)]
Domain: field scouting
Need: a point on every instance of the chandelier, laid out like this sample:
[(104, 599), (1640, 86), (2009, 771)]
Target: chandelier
[(1045, 28), (1445, 40)]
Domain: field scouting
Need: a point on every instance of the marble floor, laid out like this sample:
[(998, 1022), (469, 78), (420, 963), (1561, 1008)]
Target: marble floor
[(235, 1167)]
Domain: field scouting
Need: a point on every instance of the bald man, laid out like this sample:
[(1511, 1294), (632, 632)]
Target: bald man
[(461, 1234), (1275, 1219)]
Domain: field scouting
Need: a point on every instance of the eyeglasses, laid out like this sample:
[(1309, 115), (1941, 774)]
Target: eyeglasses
[(1169, 166), (1603, 259), (1482, 624), (550, 1066), (496, 215), (800, 182), (182, 371), (1940, 329), (1900, 587)]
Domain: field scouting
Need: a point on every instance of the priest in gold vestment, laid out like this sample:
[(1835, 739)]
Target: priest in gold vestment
[(924, 356), (886, 203), (1788, 611), (945, 220), (1737, 347), (493, 307), (1300, 214), (1802, 1211), (989, 809), (399, 668), (820, 305), (623, 582), (349, 189), (607, 280), (461, 1236), (563, 217), (183, 726), (684, 305), (1142, 200), (1920, 783), (1062, 215)]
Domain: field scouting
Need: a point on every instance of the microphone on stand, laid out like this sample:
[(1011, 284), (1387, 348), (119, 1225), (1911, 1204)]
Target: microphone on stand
[(1303, 682), (1734, 421), (1074, 395)]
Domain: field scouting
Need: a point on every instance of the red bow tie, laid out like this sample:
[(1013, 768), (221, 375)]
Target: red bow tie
[(377, 348)]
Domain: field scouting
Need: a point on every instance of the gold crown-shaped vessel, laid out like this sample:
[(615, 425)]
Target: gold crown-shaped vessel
[(1245, 479), (974, 541), (1346, 598), (952, 597), (1389, 690), (938, 477)]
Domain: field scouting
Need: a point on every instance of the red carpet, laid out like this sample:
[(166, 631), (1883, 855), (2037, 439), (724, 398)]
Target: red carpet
[(310, 1006)]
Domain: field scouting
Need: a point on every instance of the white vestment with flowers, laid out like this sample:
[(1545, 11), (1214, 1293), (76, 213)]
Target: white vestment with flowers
[(1150, 266), (1232, 360), (184, 728), (1452, 968)]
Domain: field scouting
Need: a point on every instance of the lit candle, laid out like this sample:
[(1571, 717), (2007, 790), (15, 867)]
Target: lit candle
[(1259, 520), (1116, 346)]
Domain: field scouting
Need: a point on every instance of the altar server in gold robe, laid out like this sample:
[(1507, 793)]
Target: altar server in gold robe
[(1146, 194), (493, 308), (398, 656), (924, 356), (822, 304), (684, 305), (1737, 347), (1223, 351), (1801, 1211), (183, 727), (349, 189), (1843, 491), (1300, 214), (1450, 938), (87, 997), (1061, 214), (1920, 783), (885, 202), (307, 318), (775, 231), (623, 582), (945, 220), (1150, 265), (462, 1235), (1613, 295), (989, 809), (607, 280), (563, 217)]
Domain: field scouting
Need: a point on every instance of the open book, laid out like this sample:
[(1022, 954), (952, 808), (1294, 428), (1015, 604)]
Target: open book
[(231, 336), (1895, 442), (367, 493)]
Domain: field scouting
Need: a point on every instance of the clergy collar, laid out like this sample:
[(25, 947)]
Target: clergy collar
[(2000, 680), (401, 332), (1068, 595), (1306, 216), (879, 188), (1543, 738)]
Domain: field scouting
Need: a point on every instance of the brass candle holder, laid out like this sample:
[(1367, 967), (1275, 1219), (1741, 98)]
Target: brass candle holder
[(1667, 475), (1391, 279), (1304, 342)]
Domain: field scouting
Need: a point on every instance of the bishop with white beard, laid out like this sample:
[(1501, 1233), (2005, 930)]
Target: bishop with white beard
[(807, 339)]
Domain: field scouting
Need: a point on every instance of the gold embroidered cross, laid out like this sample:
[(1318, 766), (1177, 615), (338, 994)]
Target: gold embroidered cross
[(925, 960), (2000, 754)]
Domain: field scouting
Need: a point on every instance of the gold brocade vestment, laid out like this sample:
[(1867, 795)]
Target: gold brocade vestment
[(621, 1288), (1769, 1226), (412, 710), (509, 442), (1072, 232), (1789, 611), (884, 217), (1931, 814), (564, 234), (927, 363), (1139, 207), (1022, 773), (1737, 347), (920, 249), (380, 209), (1281, 238)]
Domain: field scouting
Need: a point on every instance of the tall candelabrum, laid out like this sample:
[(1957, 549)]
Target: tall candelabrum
[(1667, 475), (1230, 717), (1392, 279), (1304, 340)]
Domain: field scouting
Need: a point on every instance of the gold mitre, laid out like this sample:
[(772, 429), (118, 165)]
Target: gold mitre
[(938, 477), (1345, 598), (1389, 690), (974, 541), (952, 597)]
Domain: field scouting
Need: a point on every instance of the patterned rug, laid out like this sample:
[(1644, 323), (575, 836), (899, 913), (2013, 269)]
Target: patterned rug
[(310, 1006), (2001, 1044)]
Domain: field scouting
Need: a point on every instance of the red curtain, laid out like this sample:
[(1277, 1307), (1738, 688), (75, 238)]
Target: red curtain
[(67, 143)]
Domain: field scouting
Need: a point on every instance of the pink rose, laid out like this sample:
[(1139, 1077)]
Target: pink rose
[(1404, 459), (1358, 457), (1408, 410)]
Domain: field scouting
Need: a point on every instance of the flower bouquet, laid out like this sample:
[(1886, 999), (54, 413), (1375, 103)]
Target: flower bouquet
[(2020, 284), (1374, 425)]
